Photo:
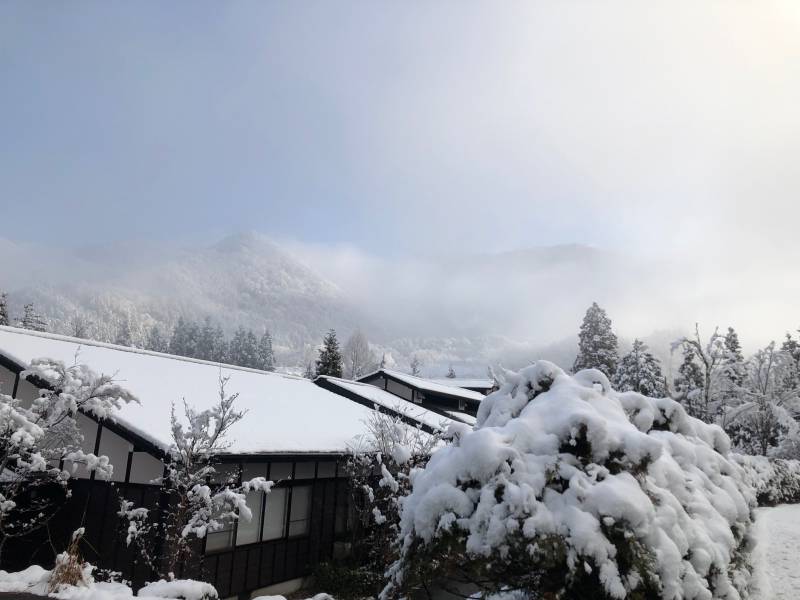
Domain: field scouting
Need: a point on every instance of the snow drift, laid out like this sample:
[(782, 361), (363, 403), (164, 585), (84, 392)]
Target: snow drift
[(569, 489)]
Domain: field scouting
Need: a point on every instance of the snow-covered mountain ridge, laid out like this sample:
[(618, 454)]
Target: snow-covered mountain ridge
[(446, 311)]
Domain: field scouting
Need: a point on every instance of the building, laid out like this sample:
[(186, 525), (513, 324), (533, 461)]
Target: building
[(295, 432), (448, 400), (484, 386)]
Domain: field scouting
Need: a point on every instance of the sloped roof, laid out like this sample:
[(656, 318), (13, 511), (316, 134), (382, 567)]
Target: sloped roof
[(464, 382), (285, 413), (376, 395), (427, 385)]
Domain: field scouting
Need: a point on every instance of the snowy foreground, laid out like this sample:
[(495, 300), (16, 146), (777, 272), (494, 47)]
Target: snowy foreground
[(777, 575)]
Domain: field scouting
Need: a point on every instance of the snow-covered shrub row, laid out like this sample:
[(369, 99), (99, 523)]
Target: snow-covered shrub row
[(775, 480), (569, 489)]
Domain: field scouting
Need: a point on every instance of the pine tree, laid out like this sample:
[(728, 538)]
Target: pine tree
[(266, 356), (3, 309), (597, 343), (156, 341), (451, 374), (237, 352), (640, 371), (330, 359), (733, 363), (32, 320), (791, 347), (251, 350), (185, 338), (689, 382), (124, 335)]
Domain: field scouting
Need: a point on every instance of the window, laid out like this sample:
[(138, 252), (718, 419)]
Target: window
[(300, 514), (247, 532), (274, 526), (220, 539)]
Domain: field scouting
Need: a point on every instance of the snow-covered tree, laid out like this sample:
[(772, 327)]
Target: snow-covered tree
[(416, 366), (310, 371), (706, 402), (36, 437), (568, 489), (31, 319), (597, 343), (79, 326), (379, 467), (330, 358), (733, 363), (266, 356), (185, 338), (791, 347), (124, 335), (451, 373), (156, 340), (196, 506), (640, 371), (762, 416), (4, 309), (358, 356), (688, 384)]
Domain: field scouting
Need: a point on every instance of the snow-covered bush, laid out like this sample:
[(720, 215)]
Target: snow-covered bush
[(379, 468), (774, 480), (36, 437), (568, 489)]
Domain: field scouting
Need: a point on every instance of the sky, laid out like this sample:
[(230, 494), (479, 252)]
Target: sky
[(401, 130)]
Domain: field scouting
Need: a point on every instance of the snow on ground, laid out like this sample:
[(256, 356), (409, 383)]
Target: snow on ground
[(778, 553)]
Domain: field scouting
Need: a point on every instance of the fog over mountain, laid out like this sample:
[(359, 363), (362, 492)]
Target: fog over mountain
[(470, 311)]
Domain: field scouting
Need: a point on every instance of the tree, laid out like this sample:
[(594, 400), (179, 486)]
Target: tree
[(310, 371), (689, 382), (156, 341), (212, 344), (124, 335), (266, 356), (79, 326), (597, 343), (711, 355), (451, 373), (330, 359), (35, 439), (4, 309), (32, 320), (379, 467), (195, 508), (416, 366), (762, 418), (791, 347), (640, 371), (185, 338), (358, 356), (733, 364)]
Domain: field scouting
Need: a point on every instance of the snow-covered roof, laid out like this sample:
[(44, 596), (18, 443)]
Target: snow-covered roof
[(388, 400), (463, 382), (427, 385), (285, 413)]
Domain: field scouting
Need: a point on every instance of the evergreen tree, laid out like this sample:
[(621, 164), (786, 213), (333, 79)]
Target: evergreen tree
[(3, 309), (640, 371), (597, 343), (733, 364), (124, 335), (330, 359), (689, 382), (251, 350), (791, 347), (451, 374), (156, 341), (32, 320), (237, 349), (266, 356), (185, 338)]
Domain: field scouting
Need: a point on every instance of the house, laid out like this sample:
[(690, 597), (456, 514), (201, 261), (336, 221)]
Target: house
[(296, 432), (449, 400)]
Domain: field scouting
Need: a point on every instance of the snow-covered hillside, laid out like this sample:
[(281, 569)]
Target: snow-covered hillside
[(440, 310)]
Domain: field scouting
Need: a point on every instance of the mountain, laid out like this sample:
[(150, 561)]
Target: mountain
[(469, 312)]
